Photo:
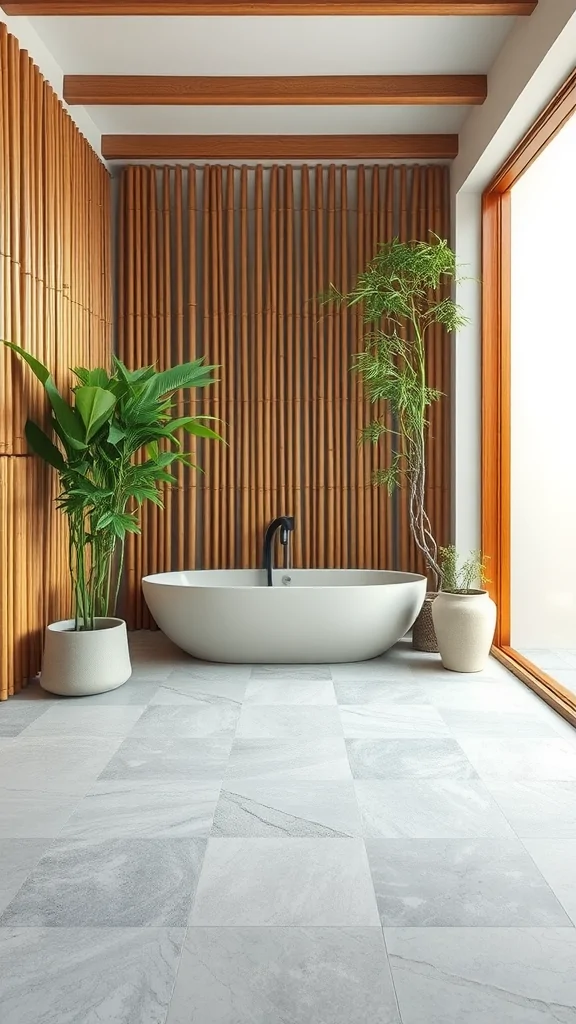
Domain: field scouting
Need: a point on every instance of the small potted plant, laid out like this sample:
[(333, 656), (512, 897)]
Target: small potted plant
[(464, 615), (114, 444)]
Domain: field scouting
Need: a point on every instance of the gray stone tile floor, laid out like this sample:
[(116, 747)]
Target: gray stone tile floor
[(379, 843)]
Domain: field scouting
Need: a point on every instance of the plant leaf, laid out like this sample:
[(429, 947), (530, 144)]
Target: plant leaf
[(41, 445), (96, 378), (69, 422), (186, 375), (115, 434), (95, 406), (42, 372)]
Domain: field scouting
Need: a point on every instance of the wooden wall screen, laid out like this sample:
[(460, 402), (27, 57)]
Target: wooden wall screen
[(227, 262), (55, 300)]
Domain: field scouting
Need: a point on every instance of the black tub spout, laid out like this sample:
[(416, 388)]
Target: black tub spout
[(285, 524)]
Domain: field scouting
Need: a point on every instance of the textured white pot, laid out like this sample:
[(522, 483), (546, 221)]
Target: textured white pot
[(80, 664), (464, 625)]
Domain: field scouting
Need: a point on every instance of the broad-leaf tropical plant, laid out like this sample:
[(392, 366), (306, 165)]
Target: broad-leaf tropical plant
[(400, 293), (115, 444)]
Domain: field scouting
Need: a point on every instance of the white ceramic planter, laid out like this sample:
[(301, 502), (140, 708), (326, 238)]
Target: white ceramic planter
[(79, 664), (464, 625)]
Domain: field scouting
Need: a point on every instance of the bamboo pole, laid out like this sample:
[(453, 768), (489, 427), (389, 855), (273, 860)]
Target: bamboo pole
[(189, 478), (328, 373), (259, 327), (231, 426), (308, 524), (247, 547), (358, 404), (345, 377), (289, 377)]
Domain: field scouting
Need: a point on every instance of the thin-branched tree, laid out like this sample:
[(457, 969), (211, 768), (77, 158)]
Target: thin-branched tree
[(403, 292)]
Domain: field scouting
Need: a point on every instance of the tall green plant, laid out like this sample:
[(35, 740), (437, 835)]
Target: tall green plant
[(100, 435), (400, 294)]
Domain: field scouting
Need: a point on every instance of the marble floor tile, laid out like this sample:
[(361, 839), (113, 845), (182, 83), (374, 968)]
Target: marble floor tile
[(284, 976), (312, 673), (15, 716), (378, 670), (72, 720), (286, 808), (285, 882), (372, 721), (374, 691), (123, 882), (545, 657), (466, 883), (209, 670), (88, 975), (484, 975), (510, 758), (164, 758), (35, 814), (429, 809), (408, 759), (200, 720), (556, 858), (151, 672), (49, 764), (285, 722), (536, 809), (18, 857), (135, 693), (264, 691), (34, 692), (305, 758), (144, 808), (206, 693), (473, 696), (495, 724)]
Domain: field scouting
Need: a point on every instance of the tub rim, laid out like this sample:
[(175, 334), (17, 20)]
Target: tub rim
[(411, 577)]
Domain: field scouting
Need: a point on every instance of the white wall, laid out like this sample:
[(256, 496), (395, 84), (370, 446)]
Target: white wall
[(29, 40), (543, 530), (535, 60), (466, 412)]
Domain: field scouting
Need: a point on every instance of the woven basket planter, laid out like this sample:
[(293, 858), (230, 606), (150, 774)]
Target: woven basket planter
[(423, 632)]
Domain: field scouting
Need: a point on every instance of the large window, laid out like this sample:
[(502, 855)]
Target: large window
[(529, 409)]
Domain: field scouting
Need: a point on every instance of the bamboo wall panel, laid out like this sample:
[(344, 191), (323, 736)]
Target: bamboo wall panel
[(55, 300), (228, 262)]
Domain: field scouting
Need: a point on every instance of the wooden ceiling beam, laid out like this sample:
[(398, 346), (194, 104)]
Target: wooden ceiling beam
[(279, 147), (365, 90), (270, 7)]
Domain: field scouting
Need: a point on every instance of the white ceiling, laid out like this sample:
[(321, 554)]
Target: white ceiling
[(274, 45), (277, 120)]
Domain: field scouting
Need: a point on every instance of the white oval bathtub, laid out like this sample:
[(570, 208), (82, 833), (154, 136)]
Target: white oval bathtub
[(320, 616)]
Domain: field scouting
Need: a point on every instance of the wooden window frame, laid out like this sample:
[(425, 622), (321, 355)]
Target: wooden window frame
[(496, 389)]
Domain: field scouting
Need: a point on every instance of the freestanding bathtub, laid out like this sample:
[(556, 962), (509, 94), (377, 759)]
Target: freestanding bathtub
[(310, 616)]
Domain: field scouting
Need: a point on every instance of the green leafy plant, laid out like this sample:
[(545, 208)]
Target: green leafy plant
[(114, 446), (462, 577), (399, 293)]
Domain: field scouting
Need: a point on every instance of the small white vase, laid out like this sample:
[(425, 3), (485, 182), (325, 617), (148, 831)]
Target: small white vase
[(464, 625), (78, 664)]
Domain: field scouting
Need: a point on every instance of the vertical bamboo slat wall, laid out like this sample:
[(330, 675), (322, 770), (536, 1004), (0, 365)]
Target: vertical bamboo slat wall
[(227, 262), (55, 301)]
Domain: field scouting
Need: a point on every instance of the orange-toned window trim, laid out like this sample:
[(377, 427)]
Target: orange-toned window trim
[(496, 381)]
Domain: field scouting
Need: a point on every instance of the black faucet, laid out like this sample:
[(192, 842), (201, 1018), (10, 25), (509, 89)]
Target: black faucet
[(286, 526)]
